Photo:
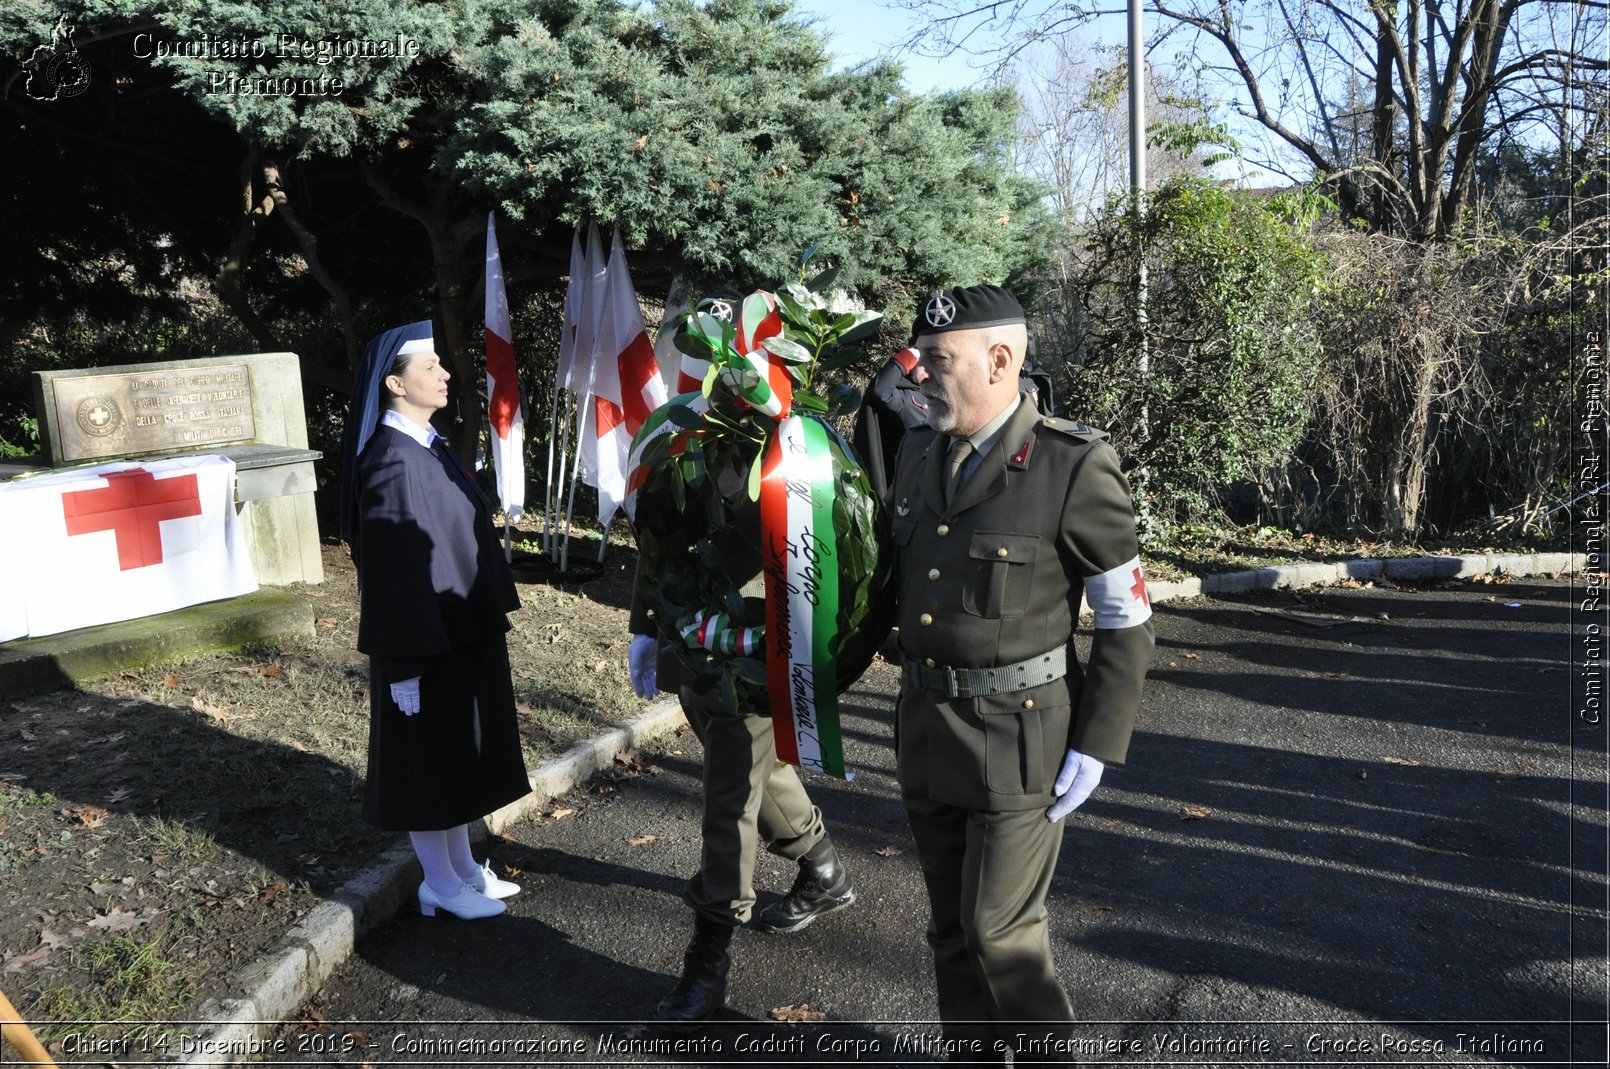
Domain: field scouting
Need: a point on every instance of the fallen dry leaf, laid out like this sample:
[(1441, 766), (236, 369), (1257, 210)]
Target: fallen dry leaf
[(684, 730), (301, 747), (324, 621), (311, 1019), (1389, 759), (18, 962), (211, 711), (121, 920), (100, 888), (274, 890), (1192, 656), (1195, 812), (632, 759), (641, 840), (51, 940), (170, 681), (122, 794), (91, 816), (560, 814), (794, 1014), (888, 851), (271, 671)]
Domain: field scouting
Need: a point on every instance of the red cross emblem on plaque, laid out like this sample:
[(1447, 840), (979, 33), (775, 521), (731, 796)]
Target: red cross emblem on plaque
[(132, 505)]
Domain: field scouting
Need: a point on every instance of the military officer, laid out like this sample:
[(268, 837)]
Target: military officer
[(1002, 518)]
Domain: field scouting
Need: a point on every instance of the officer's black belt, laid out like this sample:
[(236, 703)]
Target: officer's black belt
[(982, 682)]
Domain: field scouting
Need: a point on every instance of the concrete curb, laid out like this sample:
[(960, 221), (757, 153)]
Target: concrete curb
[(275, 987), (1294, 576)]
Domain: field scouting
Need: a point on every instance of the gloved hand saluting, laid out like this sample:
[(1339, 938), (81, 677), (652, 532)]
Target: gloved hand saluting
[(1079, 776), (641, 659), (406, 695)]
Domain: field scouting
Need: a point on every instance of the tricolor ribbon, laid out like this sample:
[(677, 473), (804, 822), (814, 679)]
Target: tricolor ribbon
[(759, 379), (714, 632), (799, 551)]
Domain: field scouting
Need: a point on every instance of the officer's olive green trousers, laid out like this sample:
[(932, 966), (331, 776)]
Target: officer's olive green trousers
[(749, 801), (987, 875)]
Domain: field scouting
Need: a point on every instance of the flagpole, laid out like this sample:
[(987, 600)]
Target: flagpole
[(582, 410), (559, 486), (508, 544), (548, 494)]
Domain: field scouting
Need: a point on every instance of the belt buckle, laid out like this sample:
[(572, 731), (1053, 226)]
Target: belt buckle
[(958, 684)]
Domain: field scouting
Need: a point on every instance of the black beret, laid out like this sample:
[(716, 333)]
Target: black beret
[(967, 308)]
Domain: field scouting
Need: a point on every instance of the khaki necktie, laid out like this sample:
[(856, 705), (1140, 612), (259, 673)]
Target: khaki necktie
[(960, 450)]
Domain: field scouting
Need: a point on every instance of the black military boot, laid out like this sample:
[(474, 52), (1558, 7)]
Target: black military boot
[(702, 991), (822, 886)]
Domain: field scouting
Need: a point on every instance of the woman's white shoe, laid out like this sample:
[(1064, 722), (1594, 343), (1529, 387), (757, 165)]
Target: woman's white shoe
[(468, 904), (486, 882)]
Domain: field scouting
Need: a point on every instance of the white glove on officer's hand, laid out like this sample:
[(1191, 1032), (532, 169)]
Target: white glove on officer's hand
[(406, 695), (1079, 776), (642, 659)]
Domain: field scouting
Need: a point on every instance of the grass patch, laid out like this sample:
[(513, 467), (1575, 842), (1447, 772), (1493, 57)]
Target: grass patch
[(130, 988)]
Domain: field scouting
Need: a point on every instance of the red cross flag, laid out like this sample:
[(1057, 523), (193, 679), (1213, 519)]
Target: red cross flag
[(117, 541), (502, 386), (626, 386)]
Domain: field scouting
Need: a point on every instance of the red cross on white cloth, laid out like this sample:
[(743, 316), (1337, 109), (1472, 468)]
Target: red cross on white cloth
[(132, 505), (118, 541)]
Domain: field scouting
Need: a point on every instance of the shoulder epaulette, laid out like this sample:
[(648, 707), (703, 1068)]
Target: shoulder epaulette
[(1072, 428)]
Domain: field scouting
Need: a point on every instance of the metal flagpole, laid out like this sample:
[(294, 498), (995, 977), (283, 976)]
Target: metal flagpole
[(548, 495), (582, 410)]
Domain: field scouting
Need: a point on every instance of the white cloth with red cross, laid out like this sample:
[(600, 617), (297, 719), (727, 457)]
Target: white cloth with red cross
[(117, 541)]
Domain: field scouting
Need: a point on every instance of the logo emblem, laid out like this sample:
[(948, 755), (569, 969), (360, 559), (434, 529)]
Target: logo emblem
[(721, 310), (56, 71), (941, 310), (99, 416), (903, 508)]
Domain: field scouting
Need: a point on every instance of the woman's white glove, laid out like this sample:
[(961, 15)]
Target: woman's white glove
[(406, 695), (642, 657), (1079, 776)]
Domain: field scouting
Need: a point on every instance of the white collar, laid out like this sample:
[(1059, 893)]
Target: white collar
[(425, 436)]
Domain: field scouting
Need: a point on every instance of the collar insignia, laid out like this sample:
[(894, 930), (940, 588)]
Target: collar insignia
[(1020, 459)]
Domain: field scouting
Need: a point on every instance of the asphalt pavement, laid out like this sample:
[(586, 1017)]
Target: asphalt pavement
[(1356, 827)]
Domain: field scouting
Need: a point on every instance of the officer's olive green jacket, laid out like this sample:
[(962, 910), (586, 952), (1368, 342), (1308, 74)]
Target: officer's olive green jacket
[(996, 577)]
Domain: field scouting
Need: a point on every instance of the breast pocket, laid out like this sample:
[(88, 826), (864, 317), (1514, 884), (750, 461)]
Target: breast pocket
[(1000, 573)]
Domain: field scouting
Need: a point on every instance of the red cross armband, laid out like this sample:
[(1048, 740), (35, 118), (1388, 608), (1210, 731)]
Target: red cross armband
[(1118, 596)]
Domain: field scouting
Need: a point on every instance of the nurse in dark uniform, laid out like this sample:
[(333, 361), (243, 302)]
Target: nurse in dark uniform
[(434, 598)]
